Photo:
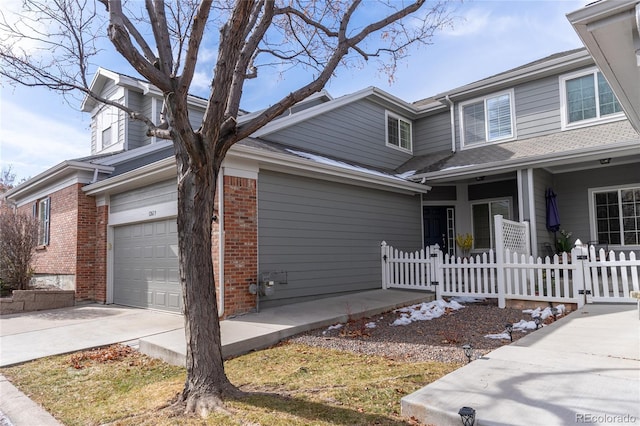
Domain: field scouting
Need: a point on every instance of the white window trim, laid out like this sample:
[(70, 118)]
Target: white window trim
[(44, 229), (103, 123), (512, 111), (593, 226), (491, 224), (388, 114), (564, 119)]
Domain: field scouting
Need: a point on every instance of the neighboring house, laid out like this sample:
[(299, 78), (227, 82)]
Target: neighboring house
[(310, 197)]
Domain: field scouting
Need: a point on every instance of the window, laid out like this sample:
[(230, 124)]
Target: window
[(482, 216), (107, 129), (42, 210), (587, 97), (398, 132), (617, 214), (487, 120)]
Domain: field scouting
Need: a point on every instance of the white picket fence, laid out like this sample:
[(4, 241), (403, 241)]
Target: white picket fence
[(583, 276)]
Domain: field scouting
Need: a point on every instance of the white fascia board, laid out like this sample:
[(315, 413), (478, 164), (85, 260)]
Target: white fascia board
[(306, 114), (166, 168), (88, 103), (546, 160), (51, 177), (510, 78), (309, 167), (145, 175)]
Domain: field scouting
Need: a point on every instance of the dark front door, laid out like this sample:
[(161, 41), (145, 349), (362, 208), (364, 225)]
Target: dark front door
[(435, 226)]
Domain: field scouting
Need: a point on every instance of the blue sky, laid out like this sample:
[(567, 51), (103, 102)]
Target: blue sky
[(39, 129)]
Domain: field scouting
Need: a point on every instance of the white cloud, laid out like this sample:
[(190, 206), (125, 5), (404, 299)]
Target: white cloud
[(201, 83), (32, 143), (473, 21)]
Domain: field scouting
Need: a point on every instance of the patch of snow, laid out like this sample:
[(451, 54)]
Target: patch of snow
[(501, 336), (546, 312), (425, 311), (333, 327), (370, 325), (406, 175), (330, 162), (524, 325)]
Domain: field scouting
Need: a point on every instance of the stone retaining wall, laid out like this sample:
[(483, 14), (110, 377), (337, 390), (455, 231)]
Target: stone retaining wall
[(36, 300)]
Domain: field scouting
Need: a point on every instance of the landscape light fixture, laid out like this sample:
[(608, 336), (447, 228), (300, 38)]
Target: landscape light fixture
[(468, 352), (554, 313), (509, 328), (538, 321), (468, 416)]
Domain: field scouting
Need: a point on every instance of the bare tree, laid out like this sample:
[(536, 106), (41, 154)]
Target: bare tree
[(162, 43), (18, 239)]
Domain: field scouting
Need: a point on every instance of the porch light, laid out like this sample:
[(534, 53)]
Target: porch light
[(538, 321), (468, 416), (468, 352), (509, 328)]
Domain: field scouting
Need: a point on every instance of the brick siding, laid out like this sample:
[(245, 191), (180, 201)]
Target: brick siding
[(72, 241), (241, 244)]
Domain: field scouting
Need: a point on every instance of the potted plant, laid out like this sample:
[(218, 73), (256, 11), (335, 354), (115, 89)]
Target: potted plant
[(564, 243), (464, 242)]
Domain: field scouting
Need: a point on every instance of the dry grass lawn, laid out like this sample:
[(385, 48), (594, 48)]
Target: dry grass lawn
[(290, 384)]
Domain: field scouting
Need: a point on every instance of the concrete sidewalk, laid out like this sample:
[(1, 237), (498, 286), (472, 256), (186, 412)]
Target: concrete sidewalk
[(268, 327), (25, 337), (584, 368)]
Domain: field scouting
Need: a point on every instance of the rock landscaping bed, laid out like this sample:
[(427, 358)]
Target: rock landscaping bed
[(438, 339)]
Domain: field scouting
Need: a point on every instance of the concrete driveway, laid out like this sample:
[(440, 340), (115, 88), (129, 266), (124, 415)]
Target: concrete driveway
[(28, 336)]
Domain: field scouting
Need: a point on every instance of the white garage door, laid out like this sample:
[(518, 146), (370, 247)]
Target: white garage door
[(146, 266)]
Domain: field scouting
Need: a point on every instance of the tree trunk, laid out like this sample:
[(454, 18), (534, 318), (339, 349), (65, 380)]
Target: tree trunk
[(207, 383)]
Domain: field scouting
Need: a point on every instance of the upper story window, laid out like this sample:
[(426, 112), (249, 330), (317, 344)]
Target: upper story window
[(586, 97), (489, 119), (107, 127), (399, 132), (42, 211)]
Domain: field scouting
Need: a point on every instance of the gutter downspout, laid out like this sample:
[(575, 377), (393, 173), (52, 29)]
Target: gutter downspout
[(449, 102), (221, 239)]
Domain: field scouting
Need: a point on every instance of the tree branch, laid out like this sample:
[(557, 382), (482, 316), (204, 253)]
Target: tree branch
[(155, 8)]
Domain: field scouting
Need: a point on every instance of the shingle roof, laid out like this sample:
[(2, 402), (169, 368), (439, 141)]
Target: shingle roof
[(557, 144)]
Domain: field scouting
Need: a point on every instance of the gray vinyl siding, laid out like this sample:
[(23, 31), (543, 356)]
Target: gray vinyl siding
[(537, 107), (161, 192), (137, 129), (327, 235), (195, 118), (541, 181), (432, 134), (573, 195), (354, 132)]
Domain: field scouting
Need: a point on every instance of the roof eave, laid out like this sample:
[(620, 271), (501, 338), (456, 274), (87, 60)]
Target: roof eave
[(540, 161), (49, 175), (509, 78)]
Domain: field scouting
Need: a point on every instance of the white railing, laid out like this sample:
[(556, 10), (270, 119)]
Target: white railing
[(578, 277), (413, 270), (611, 277)]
